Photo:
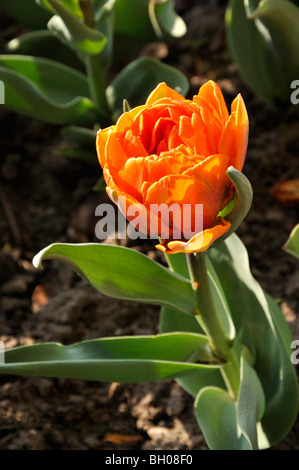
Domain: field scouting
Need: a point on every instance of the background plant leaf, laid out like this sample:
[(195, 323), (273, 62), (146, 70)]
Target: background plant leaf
[(46, 90), (42, 43), (292, 244), (26, 12), (259, 67), (165, 21), (74, 32)]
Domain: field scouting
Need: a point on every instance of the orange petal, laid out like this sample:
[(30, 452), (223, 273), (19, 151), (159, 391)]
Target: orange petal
[(199, 243), (211, 174), (131, 208), (131, 177), (234, 138), (102, 137), (163, 91), (211, 93), (183, 189)]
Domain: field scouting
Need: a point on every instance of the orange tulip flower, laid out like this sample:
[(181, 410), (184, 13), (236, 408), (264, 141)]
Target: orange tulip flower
[(176, 151)]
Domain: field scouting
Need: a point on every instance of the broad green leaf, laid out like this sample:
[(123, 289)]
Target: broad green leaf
[(46, 90), (173, 320), (262, 328), (26, 12), (124, 359), (164, 19), (251, 403), (281, 19), (216, 414), (259, 66), (43, 44), (292, 244), (138, 79), (123, 273)]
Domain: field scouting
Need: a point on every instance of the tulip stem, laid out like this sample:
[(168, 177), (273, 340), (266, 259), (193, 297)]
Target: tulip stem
[(210, 321)]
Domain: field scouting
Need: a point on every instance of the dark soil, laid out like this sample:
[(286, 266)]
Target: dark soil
[(45, 198)]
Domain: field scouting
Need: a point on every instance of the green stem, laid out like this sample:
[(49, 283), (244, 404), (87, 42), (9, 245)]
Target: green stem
[(210, 321), (97, 82), (94, 67)]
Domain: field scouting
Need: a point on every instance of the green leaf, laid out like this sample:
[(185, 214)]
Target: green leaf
[(103, 9), (72, 31), (165, 20), (220, 301), (138, 79), (270, 340), (46, 90), (251, 403), (131, 19), (292, 244), (280, 19), (178, 264), (26, 12), (172, 320), (71, 5), (259, 66), (125, 359), (77, 35), (105, 22), (44, 44), (243, 203), (123, 273), (216, 414)]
